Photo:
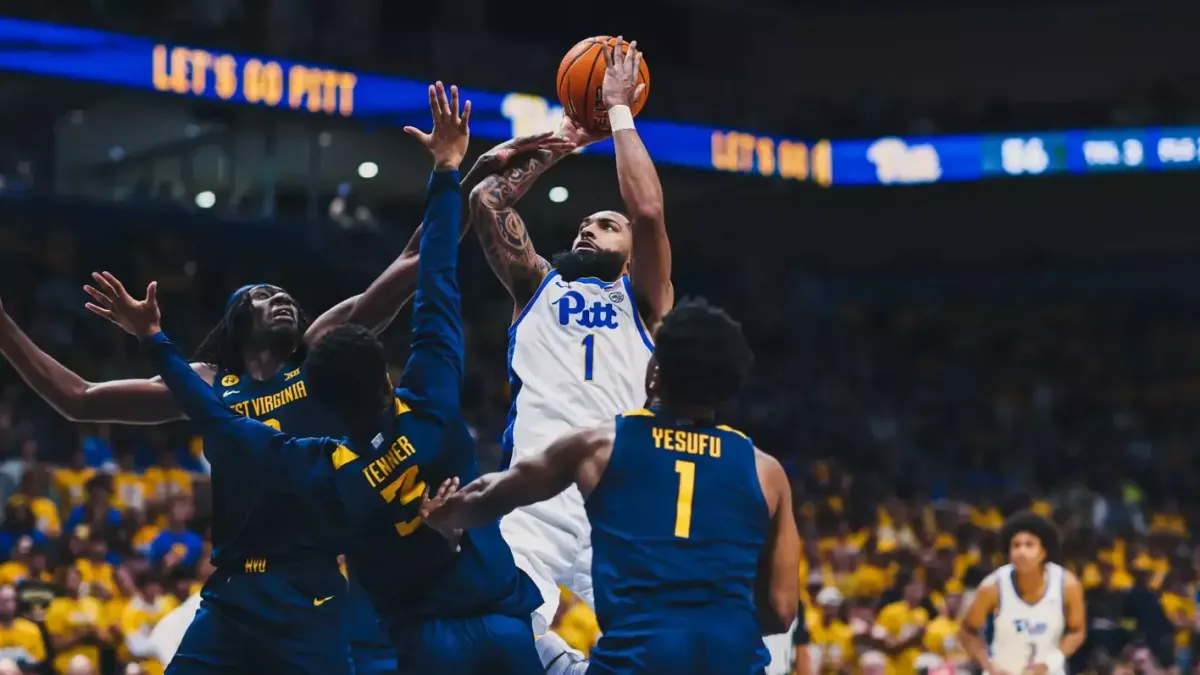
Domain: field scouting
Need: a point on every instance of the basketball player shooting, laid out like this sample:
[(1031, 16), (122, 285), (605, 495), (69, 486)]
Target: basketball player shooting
[(1037, 608), (581, 334)]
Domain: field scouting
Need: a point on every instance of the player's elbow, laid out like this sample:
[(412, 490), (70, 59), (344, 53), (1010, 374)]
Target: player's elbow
[(783, 608), (478, 200), (649, 214), (78, 404)]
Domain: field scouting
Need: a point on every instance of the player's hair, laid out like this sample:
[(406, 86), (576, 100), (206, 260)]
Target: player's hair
[(346, 371), (703, 357), (222, 347), (1038, 526)]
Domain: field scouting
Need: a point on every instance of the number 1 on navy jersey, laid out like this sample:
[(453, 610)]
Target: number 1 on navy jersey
[(589, 356), (683, 506)]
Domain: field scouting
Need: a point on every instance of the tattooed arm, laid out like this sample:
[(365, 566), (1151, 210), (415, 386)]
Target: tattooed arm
[(501, 230)]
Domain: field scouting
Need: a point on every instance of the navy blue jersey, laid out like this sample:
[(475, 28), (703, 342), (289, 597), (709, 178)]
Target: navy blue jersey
[(294, 524), (411, 572), (283, 403), (678, 523)]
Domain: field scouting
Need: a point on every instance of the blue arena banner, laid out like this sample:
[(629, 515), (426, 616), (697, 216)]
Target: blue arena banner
[(101, 57)]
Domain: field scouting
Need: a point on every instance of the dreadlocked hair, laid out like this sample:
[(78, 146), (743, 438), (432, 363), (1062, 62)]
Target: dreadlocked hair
[(1039, 526), (222, 347), (703, 357)]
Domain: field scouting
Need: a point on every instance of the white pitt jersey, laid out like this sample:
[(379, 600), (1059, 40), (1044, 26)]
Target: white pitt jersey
[(1023, 633), (577, 357)]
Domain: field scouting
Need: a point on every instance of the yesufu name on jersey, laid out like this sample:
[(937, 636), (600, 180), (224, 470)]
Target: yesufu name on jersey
[(689, 442), (262, 405)]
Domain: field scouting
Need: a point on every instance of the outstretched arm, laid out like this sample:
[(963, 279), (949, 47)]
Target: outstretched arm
[(433, 375), (377, 306), (136, 401), (537, 479), (500, 229), (650, 264)]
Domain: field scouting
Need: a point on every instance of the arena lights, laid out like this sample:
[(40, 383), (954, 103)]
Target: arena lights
[(186, 70)]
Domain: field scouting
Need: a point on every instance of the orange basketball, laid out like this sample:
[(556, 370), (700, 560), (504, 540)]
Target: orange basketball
[(579, 78)]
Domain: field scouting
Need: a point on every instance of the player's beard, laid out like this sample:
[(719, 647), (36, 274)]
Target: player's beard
[(578, 264)]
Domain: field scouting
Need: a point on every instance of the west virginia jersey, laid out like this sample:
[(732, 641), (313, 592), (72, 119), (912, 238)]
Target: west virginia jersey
[(577, 355), (283, 403), (679, 520)]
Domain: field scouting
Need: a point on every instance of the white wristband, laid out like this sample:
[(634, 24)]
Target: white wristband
[(620, 118), (1055, 661)]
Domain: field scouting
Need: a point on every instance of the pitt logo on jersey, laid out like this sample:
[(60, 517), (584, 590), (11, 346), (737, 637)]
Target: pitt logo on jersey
[(1029, 627), (598, 315)]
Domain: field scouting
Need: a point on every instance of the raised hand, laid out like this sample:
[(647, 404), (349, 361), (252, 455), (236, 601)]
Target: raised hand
[(620, 85), (447, 142), (137, 317)]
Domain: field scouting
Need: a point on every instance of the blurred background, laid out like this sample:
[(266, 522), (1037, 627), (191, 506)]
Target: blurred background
[(961, 237)]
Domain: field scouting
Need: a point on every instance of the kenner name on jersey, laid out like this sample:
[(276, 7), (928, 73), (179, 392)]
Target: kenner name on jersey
[(577, 356)]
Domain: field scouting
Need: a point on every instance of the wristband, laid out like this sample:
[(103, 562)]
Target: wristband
[(1055, 661), (620, 118)]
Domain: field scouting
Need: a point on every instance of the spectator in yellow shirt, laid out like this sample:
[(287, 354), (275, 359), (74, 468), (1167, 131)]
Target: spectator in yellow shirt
[(167, 479), (129, 485), (576, 623), (95, 570), (75, 622), (831, 641), (941, 634), (140, 615), (900, 628), (32, 495), (20, 639), (70, 482)]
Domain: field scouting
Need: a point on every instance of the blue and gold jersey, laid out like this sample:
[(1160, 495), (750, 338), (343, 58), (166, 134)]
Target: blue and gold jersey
[(411, 572), (678, 523), (296, 524)]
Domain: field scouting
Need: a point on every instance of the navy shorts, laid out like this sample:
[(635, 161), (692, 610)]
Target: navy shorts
[(372, 660), (487, 645), (703, 650), (282, 623)]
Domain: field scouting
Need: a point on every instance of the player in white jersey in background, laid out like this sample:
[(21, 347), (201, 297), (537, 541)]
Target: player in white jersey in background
[(581, 334), (1036, 607)]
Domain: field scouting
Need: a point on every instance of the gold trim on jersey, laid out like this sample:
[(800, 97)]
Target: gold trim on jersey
[(725, 427), (343, 456), (638, 412)]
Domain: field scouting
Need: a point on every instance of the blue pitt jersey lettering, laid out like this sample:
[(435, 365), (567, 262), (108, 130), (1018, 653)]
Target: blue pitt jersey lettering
[(678, 521), (409, 570), (573, 306)]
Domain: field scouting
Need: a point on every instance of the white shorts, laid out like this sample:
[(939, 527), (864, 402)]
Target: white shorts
[(551, 541)]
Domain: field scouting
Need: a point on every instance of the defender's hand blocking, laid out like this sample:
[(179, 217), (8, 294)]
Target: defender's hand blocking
[(620, 86), (496, 159), (431, 505), (139, 318), (448, 140)]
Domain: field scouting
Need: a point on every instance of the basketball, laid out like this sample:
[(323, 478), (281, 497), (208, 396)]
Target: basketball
[(579, 78)]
